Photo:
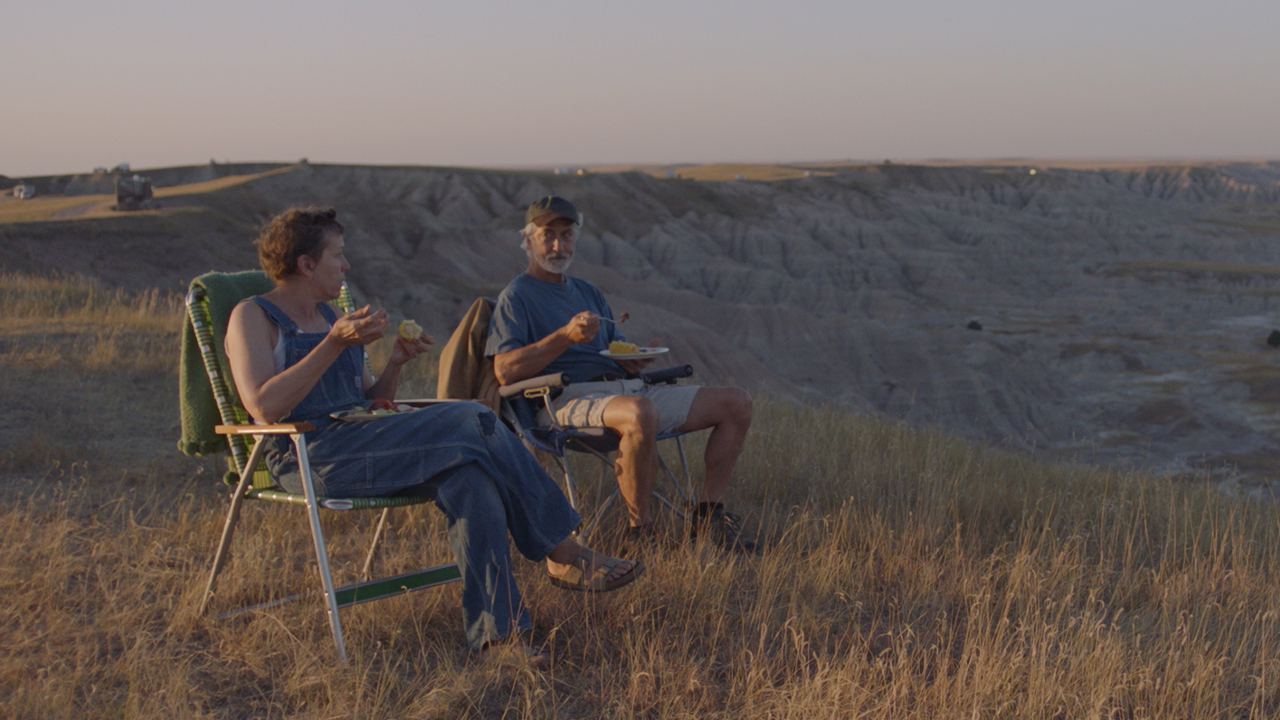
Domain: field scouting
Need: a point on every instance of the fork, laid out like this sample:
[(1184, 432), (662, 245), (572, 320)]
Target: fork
[(623, 319)]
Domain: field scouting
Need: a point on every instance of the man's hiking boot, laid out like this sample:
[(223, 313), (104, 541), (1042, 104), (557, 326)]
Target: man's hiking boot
[(639, 540), (721, 528)]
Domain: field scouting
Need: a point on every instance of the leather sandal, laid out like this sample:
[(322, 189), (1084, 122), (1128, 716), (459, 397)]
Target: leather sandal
[(575, 578)]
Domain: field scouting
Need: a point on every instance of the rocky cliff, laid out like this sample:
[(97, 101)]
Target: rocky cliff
[(1100, 315)]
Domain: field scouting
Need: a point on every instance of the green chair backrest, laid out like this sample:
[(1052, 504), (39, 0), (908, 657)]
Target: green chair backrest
[(209, 336)]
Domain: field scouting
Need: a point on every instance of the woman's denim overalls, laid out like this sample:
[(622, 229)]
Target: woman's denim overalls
[(480, 476)]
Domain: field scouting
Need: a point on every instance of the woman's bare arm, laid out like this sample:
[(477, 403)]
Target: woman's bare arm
[(269, 396), (249, 343)]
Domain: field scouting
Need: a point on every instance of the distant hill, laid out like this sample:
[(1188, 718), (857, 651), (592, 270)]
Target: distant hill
[(99, 183), (1123, 312)]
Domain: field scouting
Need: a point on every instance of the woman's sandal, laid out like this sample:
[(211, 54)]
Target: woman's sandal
[(575, 578)]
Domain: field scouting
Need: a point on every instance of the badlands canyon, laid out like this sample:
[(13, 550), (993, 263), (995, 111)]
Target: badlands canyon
[(1108, 314)]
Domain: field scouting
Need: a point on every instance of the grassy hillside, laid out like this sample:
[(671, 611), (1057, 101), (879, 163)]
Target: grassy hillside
[(909, 574)]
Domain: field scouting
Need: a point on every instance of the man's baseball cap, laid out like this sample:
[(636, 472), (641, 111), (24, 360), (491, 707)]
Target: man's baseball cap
[(550, 208)]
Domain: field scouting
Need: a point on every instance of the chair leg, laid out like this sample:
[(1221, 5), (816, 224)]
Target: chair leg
[(373, 548), (229, 528), (588, 526), (607, 471), (568, 481), (597, 516), (317, 535), (685, 490), (675, 484), (684, 466)]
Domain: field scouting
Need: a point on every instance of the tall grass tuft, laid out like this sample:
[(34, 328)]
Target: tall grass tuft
[(74, 322), (86, 368), (908, 574)]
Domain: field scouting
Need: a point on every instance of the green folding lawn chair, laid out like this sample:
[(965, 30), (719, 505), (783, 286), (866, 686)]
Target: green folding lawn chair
[(214, 421)]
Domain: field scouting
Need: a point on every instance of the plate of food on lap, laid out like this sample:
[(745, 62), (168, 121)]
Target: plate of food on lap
[(619, 350), (379, 408)]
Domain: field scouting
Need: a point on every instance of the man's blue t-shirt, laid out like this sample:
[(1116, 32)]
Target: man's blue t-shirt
[(530, 309)]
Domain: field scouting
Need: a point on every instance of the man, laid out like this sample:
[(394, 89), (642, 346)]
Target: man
[(546, 322)]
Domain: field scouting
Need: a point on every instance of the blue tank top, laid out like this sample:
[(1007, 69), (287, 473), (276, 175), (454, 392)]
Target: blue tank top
[(342, 385)]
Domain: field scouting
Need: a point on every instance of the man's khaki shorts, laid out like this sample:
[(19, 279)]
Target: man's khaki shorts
[(582, 404)]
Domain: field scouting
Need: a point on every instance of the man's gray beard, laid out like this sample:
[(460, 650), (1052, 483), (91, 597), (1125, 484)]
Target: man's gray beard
[(555, 267)]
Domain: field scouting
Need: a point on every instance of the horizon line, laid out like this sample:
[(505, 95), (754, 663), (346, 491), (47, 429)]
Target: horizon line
[(1076, 163)]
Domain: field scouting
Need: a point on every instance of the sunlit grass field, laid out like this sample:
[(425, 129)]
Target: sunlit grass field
[(908, 575), (55, 207), (760, 172)]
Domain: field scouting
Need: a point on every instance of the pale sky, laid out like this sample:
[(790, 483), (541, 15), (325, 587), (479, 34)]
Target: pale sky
[(87, 83)]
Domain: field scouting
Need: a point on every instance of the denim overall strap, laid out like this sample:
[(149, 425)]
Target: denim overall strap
[(341, 387), (327, 311), (283, 321)]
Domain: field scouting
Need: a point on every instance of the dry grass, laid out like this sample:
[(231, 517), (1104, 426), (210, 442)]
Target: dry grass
[(1261, 218), (1193, 268), (221, 183), (720, 172), (57, 207), (909, 575), (83, 362), (52, 207)]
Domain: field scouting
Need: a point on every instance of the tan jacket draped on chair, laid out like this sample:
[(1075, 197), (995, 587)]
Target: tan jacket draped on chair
[(465, 373)]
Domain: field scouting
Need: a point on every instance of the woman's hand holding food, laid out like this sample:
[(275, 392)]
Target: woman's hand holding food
[(359, 327), (411, 343)]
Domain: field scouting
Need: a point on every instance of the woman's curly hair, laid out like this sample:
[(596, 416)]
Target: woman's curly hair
[(293, 233)]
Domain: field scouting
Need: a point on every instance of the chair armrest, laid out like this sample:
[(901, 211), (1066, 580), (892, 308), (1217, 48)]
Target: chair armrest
[(554, 380), (277, 429), (667, 375), (426, 402)]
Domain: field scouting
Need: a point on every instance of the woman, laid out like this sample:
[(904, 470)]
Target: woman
[(294, 359)]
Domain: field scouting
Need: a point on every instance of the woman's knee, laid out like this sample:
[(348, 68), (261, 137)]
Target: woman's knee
[(470, 494)]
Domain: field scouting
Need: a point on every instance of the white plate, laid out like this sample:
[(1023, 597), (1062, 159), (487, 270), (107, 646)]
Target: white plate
[(643, 353), (363, 415)]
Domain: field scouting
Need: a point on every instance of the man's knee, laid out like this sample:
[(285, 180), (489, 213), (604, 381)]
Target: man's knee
[(632, 416), (732, 406), (739, 405)]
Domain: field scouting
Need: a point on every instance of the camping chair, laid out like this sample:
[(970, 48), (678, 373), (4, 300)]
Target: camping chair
[(251, 479), (520, 408), (465, 373)]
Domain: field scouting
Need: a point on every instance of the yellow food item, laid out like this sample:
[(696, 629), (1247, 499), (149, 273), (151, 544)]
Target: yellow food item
[(410, 330), (618, 347)]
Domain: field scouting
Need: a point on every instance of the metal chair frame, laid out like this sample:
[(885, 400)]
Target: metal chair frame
[(555, 440)]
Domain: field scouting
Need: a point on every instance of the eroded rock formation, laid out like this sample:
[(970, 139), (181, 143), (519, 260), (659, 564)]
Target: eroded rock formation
[(1123, 315)]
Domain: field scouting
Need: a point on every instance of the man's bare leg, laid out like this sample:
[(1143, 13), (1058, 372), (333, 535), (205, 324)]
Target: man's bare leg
[(636, 420), (728, 411)]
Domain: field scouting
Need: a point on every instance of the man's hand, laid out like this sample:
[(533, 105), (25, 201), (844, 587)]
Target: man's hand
[(405, 350), (359, 327), (635, 367), (582, 327)]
